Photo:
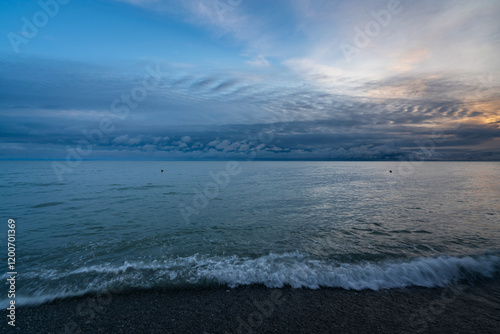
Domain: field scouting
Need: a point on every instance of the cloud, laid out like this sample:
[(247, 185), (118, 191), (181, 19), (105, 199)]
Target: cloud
[(259, 61), (432, 68), (121, 139), (125, 140), (408, 60)]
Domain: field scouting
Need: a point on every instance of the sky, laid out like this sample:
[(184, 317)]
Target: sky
[(250, 79)]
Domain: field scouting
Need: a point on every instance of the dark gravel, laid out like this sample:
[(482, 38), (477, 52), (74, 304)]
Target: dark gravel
[(256, 309)]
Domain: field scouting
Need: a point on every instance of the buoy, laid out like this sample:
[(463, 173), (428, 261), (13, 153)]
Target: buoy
[(162, 171), (389, 171)]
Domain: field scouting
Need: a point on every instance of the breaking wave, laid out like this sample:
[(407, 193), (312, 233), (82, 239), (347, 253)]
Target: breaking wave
[(274, 271)]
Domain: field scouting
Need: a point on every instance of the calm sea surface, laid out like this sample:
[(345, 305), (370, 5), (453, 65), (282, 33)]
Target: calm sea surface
[(351, 225)]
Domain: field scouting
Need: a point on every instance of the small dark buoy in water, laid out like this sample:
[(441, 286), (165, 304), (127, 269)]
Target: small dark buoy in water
[(389, 171), (162, 170)]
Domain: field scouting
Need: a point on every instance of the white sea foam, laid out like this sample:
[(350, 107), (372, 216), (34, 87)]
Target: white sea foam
[(274, 271)]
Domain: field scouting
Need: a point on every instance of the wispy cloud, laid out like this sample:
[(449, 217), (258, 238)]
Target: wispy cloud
[(431, 68)]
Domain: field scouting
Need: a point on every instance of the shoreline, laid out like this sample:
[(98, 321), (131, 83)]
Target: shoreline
[(458, 308)]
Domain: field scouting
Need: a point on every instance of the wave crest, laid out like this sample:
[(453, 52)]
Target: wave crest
[(274, 271)]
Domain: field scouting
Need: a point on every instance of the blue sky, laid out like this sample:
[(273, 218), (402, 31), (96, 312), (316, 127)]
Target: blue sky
[(250, 79)]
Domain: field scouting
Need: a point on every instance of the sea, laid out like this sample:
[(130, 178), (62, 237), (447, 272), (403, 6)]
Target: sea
[(100, 226)]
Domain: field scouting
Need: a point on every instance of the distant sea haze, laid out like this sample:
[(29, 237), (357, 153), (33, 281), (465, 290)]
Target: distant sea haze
[(350, 225)]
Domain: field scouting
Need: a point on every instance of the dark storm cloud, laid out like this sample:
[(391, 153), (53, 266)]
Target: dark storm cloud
[(47, 103)]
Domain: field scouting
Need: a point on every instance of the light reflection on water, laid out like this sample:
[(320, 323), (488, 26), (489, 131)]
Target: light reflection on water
[(111, 212)]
